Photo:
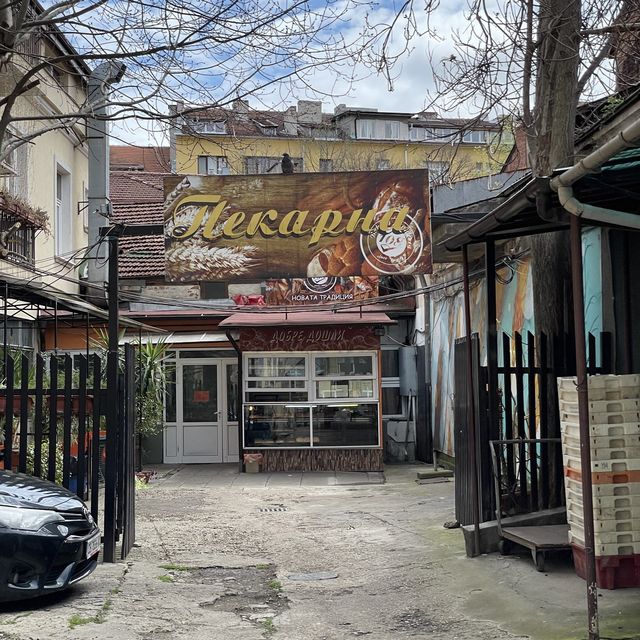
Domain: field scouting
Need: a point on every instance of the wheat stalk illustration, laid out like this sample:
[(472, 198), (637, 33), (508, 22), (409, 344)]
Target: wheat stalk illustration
[(190, 261)]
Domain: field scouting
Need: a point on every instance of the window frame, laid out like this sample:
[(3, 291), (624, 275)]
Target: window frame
[(221, 167), (312, 401), (63, 213)]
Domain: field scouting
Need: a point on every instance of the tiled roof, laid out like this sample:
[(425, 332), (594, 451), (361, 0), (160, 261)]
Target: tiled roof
[(138, 186), (138, 212), (518, 157), (257, 123), (141, 257), (138, 198), (129, 158)]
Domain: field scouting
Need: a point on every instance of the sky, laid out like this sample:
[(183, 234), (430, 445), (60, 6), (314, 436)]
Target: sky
[(407, 92)]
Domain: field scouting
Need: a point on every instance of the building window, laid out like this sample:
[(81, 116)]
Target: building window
[(391, 130), (209, 126), (366, 129), (20, 335), (326, 165), (269, 164), (213, 166), (318, 399), (213, 291), (475, 136), (268, 129), (438, 171), (370, 129), (63, 218), (383, 164)]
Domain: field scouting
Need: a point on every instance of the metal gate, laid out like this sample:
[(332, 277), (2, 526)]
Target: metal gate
[(524, 383), (52, 414)]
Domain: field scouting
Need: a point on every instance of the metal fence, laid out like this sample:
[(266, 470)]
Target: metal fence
[(525, 387), (54, 426)]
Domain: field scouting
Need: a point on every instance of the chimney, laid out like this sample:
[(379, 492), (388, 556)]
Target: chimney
[(309, 112), (241, 106), (290, 121)]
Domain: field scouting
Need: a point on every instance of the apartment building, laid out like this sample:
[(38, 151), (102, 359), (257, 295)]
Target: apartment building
[(243, 140)]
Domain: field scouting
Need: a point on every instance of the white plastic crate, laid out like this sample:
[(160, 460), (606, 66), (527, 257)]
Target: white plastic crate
[(606, 418), (602, 406), (603, 490), (610, 525), (601, 466), (606, 502), (626, 549), (604, 442), (576, 535), (603, 454), (604, 537), (608, 387), (601, 430), (603, 513)]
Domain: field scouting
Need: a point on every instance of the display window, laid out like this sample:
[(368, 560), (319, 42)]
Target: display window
[(311, 400)]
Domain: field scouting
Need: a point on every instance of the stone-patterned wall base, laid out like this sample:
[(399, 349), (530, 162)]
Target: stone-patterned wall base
[(321, 459)]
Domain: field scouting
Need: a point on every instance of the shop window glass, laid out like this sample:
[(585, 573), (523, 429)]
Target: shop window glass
[(344, 389), (345, 425), (170, 394), (276, 367), (277, 425), (331, 366), (200, 393)]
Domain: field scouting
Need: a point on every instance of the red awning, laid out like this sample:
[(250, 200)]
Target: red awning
[(298, 318)]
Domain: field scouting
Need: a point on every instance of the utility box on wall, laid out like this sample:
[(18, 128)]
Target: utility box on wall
[(408, 364)]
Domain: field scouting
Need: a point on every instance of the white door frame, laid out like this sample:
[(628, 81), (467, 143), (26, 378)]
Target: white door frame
[(227, 435), (230, 451)]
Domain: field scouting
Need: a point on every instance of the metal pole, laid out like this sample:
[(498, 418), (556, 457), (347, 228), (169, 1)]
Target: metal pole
[(240, 408), (492, 338), (471, 403), (5, 324), (583, 417), (111, 470)]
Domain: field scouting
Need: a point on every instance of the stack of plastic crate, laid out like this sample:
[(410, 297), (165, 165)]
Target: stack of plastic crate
[(614, 439)]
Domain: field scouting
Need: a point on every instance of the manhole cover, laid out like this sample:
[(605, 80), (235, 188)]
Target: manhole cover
[(316, 575), (274, 508)]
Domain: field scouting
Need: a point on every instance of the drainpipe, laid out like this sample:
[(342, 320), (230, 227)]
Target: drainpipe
[(563, 184), (100, 80)]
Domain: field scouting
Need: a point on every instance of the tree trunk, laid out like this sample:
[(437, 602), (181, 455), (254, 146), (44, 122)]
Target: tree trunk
[(553, 134)]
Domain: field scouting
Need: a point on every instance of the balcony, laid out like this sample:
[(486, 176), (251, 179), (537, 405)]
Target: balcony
[(19, 223)]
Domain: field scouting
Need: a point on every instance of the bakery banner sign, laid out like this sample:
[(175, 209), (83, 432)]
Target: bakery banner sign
[(301, 291), (308, 225)]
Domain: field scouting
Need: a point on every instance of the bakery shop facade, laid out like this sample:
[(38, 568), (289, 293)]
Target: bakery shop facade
[(309, 386), (311, 389)]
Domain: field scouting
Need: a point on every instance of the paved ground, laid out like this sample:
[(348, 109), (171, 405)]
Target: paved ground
[(313, 557)]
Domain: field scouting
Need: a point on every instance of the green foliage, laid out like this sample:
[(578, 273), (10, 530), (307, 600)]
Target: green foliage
[(151, 379), (45, 460), (165, 578), (77, 620), (276, 585), (269, 627), (170, 566)]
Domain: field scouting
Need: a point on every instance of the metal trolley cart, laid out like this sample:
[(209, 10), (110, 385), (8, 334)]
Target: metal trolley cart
[(521, 486)]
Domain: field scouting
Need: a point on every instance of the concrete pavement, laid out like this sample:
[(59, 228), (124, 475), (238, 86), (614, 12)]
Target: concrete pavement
[(314, 557)]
